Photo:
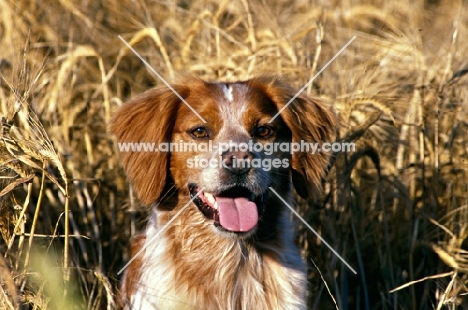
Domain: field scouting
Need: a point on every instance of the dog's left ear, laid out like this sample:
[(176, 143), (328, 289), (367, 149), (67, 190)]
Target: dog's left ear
[(309, 121)]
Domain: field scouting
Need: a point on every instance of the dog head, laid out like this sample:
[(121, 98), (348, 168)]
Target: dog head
[(221, 145)]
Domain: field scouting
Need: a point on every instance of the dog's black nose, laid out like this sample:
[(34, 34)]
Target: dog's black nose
[(237, 162)]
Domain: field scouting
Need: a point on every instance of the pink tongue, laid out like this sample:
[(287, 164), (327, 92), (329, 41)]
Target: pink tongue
[(237, 214)]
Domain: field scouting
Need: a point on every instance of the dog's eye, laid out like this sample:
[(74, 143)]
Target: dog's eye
[(263, 132), (199, 132)]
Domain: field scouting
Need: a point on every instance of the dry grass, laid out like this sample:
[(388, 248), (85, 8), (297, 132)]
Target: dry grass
[(396, 209)]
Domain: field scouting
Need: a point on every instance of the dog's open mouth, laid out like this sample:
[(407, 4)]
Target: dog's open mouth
[(235, 210)]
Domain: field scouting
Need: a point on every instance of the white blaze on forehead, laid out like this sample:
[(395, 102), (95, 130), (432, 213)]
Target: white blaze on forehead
[(227, 92), (233, 110)]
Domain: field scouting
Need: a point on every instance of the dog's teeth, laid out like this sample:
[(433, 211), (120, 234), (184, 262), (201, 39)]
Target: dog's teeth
[(215, 205), (211, 199)]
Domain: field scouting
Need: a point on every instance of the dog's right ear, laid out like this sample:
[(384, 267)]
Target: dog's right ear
[(147, 119)]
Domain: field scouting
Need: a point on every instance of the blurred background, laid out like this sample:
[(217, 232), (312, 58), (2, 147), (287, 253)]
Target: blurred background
[(396, 209)]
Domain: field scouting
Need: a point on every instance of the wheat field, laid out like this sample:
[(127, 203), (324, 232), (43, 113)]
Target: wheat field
[(396, 209)]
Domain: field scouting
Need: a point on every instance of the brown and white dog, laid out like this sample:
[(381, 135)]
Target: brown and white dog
[(231, 247)]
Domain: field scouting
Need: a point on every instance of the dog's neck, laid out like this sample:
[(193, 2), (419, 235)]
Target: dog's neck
[(197, 265)]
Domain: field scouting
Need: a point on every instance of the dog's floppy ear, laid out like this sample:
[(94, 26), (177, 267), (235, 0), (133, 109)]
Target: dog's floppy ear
[(310, 121), (147, 118)]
